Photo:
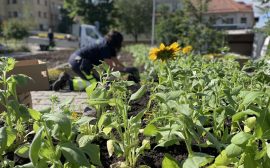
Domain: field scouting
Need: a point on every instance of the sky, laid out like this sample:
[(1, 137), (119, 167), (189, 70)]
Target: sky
[(258, 13)]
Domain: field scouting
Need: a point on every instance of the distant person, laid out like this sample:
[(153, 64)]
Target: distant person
[(83, 61), (51, 38)]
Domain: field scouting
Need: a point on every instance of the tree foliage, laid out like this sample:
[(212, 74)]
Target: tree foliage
[(65, 23), (188, 26), (134, 16), (15, 29), (90, 13)]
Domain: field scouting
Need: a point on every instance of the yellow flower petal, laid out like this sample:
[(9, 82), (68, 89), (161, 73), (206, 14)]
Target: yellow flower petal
[(162, 46), (187, 49), (153, 57), (175, 46)]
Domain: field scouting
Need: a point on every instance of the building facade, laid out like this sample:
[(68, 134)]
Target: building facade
[(230, 15), (42, 14)]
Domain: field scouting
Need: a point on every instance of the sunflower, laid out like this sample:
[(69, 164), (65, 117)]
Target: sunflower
[(164, 52), (187, 49)]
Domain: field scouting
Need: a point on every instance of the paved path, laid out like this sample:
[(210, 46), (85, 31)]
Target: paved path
[(41, 99)]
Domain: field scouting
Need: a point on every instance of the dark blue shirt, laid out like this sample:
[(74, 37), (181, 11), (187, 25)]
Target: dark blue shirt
[(96, 52)]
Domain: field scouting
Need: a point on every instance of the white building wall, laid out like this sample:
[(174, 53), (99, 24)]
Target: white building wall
[(220, 17)]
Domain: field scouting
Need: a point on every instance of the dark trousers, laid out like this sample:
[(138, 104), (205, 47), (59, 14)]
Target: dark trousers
[(133, 72)]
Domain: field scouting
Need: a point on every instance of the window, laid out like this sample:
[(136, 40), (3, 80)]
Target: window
[(8, 1), (45, 2), (38, 2), (90, 32), (14, 1), (227, 21), (39, 14), (15, 14), (9, 14), (243, 20), (45, 15)]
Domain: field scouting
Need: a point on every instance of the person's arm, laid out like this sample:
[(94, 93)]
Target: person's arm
[(117, 62), (114, 63)]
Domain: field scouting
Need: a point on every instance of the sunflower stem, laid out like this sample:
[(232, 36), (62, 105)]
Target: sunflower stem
[(170, 75)]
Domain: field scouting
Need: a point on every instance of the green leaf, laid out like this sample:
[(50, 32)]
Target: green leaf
[(169, 162), (222, 159), (236, 117), (66, 102), (110, 147), (46, 151), (11, 136), (268, 150), (249, 161), (89, 90), (3, 139), (93, 152), (104, 120), (35, 147), (116, 74), (74, 155), (150, 130), (166, 143), (61, 120), (23, 150), (137, 95), (251, 96), (233, 150), (83, 140), (241, 138), (45, 110), (24, 113), (21, 79), (137, 118), (36, 115), (85, 120), (28, 165), (185, 109), (10, 64), (197, 160)]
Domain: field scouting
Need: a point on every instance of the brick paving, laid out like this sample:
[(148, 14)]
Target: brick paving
[(41, 99)]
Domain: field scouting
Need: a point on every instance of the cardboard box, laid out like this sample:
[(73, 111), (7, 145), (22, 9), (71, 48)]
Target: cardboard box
[(35, 69), (26, 99)]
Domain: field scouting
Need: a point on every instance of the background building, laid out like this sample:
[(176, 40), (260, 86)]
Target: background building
[(230, 14), (41, 13)]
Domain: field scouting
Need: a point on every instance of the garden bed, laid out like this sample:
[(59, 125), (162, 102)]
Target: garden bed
[(188, 111)]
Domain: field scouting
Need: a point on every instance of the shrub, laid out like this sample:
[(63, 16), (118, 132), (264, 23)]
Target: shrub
[(15, 29)]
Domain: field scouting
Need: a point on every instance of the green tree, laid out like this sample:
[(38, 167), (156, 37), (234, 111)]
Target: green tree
[(188, 26), (89, 12), (167, 28), (15, 29), (134, 16), (65, 23)]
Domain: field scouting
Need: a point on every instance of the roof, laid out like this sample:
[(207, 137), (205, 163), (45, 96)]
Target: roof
[(226, 6)]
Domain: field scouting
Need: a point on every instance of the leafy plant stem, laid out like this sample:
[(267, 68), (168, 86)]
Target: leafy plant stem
[(49, 137), (170, 75), (188, 144), (5, 88)]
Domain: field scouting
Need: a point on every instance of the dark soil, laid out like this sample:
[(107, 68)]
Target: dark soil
[(18, 160), (52, 58), (153, 158)]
